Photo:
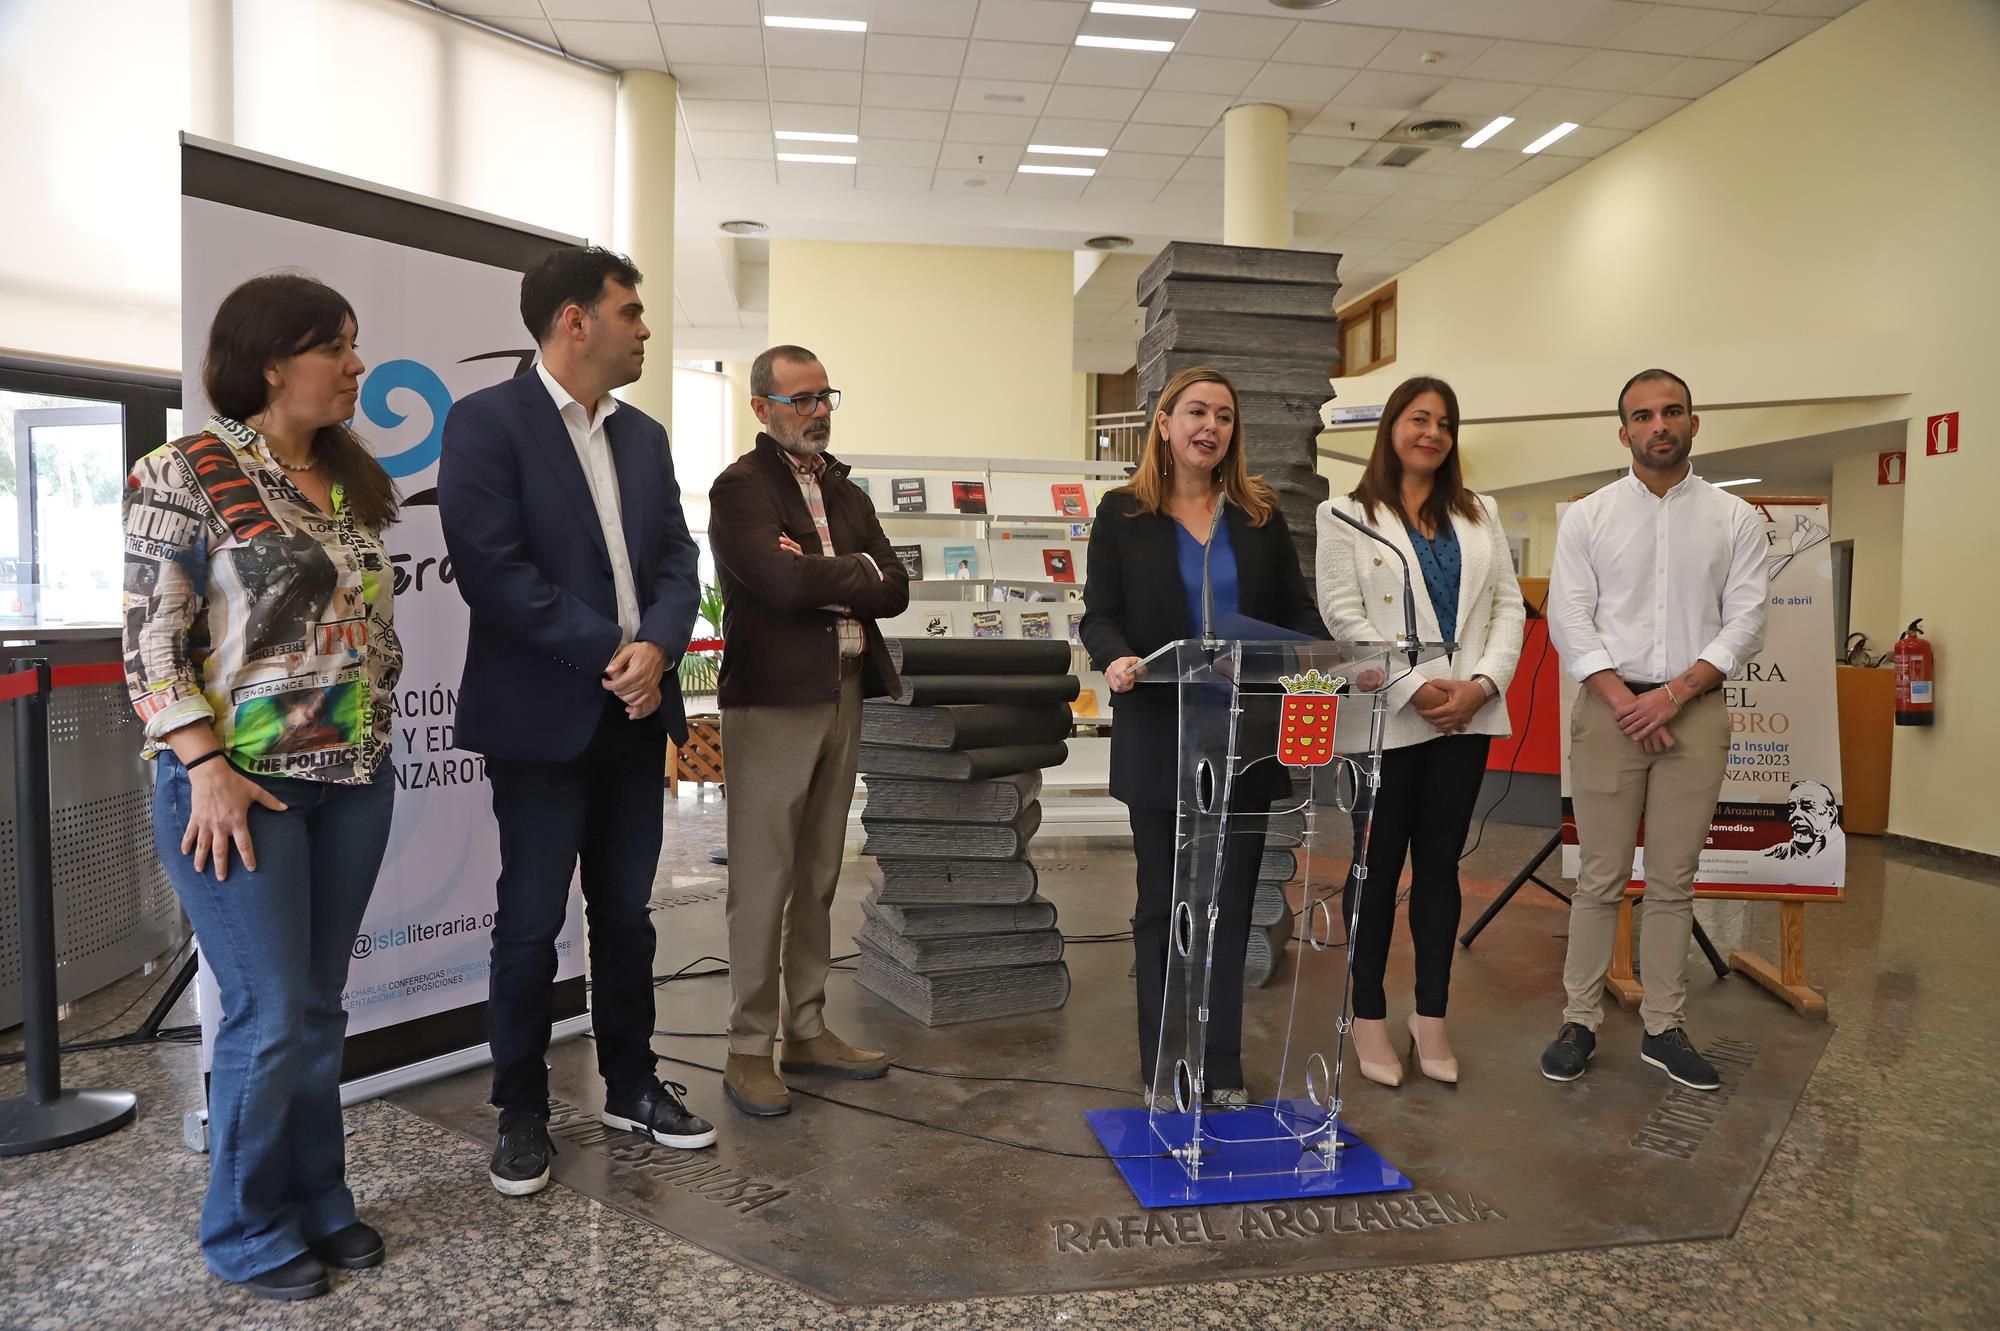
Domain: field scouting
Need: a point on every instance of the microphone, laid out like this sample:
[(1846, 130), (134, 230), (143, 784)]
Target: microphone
[(1408, 643), (1207, 590)]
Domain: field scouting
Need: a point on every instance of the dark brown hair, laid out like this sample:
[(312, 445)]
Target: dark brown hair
[(1152, 482), (1382, 482), (1651, 376), (264, 321)]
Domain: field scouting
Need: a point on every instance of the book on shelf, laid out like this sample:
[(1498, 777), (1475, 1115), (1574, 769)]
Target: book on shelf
[(860, 483), (937, 626), (1059, 565), (1079, 531), (988, 624), (961, 562), (909, 492), (912, 557), (968, 496), (1035, 624), (1070, 499), (1085, 703), (1076, 626)]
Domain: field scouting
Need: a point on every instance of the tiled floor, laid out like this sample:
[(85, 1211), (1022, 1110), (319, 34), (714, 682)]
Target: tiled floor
[(1878, 1210)]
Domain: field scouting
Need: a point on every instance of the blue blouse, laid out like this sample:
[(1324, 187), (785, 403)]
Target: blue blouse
[(1438, 556), (1221, 574)]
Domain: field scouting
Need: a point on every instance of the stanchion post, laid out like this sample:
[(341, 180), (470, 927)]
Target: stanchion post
[(46, 1117)]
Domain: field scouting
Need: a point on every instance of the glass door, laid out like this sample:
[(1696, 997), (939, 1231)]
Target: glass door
[(61, 544)]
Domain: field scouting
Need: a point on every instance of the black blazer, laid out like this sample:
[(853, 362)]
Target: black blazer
[(528, 553), (1134, 604)]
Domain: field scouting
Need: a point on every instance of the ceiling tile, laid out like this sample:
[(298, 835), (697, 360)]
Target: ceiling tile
[(1346, 120), (1545, 167), (722, 81), (970, 183), (1616, 71), (917, 92), (736, 171), (1235, 35), (1409, 251), (1310, 176), (1177, 139), (1676, 30), (1180, 108), (610, 43), (1031, 21), (1314, 85), (1589, 141), (1321, 151), (815, 175), (1047, 187), (1477, 97), (628, 11), (994, 157), (1813, 8), (1639, 112), (802, 49), (1126, 165), (710, 44), (923, 18), (1487, 163), (1214, 144), (1092, 103), (1595, 23), (1696, 77), (1740, 6), (1207, 73), (1525, 62), (701, 113), (1121, 189), (1077, 133), (1372, 180), (707, 11), (832, 86), (892, 123), (1033, 62), (710, 143), (1403, 208), (1315, 222), (887, 53), (1385, 230), (1440, 232), (1436, 185), (1507, 191), (817, 118), (999, 97), (1406, 54), (529, 23), (1469, 213), (1380, 88), (1551, 106), (1341, 44), (1097, 68), (906, 178), (1760, 38), (1184, 195), (1205, 170), (897, 152), (970, 127)]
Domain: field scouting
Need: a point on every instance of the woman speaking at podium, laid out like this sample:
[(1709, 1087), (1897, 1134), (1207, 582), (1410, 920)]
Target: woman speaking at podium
[(1191, 504), (1443, 714)]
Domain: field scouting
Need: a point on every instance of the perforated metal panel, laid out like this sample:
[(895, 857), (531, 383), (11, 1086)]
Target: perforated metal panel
[(114, 909)]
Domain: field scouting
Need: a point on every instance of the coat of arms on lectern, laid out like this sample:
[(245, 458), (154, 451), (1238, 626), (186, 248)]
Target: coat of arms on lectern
[(1305, 724)]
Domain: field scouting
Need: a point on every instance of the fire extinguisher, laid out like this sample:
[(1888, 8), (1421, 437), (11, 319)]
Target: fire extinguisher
[(1915, 671)]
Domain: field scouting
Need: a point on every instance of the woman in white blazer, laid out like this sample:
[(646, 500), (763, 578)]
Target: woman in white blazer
[(1442, 716)]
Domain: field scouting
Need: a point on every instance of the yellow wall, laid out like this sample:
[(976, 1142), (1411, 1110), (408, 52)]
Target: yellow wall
[(1819, 230), (939, 350), (1871, 516)]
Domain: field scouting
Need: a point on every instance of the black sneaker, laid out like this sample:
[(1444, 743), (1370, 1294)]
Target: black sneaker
[(355, 1248), (304, 1277), (659, 1113), (1566, 1059), (520, 1165), (1674, 1054)]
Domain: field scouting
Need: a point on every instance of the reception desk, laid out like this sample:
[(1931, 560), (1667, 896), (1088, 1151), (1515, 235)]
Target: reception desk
[(114, 910)]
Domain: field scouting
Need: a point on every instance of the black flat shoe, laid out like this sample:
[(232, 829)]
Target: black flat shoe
[(304, 1277), (355, 1248)]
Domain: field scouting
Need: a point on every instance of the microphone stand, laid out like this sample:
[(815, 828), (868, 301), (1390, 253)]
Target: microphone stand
[(1408, 643), (1208, 638)]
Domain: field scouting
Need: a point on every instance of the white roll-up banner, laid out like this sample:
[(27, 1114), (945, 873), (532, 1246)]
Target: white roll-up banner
[(436, 293)]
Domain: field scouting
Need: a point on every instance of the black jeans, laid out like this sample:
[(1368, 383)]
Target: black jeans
[(1153, 848), (604, 808), (1422, 812)]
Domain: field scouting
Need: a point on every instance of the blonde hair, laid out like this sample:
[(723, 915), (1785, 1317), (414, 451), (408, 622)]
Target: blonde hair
[(1153, 481)]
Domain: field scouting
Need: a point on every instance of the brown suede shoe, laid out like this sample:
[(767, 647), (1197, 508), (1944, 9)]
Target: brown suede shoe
[(754, 1087), (829, 1054)]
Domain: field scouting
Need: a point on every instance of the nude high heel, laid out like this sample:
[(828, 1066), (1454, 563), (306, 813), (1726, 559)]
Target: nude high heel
[(1444, 1068), (1375, 1054)]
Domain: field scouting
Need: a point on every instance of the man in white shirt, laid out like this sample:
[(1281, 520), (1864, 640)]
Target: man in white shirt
[(1657, 595)]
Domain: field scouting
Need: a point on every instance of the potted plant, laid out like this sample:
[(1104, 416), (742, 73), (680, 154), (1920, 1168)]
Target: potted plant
[(700, 759)]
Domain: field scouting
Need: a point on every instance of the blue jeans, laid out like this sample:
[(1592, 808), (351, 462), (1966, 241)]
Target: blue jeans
[(277, 942)]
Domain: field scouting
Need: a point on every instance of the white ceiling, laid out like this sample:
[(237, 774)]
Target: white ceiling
[(947, 94)]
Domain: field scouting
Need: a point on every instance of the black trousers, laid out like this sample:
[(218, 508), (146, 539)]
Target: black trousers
[(1422, 813), (1153, 848), (604, 809)]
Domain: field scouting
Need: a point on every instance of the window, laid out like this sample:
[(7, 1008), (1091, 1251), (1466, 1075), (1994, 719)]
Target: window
[(1368, 332), (701, 444)]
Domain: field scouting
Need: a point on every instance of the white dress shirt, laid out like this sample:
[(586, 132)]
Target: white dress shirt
[(1647, 586), (593, 451)]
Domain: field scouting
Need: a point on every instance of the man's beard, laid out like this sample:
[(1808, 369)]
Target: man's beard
[(807, 444), (1644, 455)]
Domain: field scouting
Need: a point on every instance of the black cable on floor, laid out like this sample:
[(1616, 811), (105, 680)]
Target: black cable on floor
[(84, 1044), (1514, 766)]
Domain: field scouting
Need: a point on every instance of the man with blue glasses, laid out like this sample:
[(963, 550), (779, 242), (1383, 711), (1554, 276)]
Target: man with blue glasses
[(805, 573)]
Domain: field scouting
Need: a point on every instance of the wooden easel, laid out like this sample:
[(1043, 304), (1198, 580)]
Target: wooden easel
[(1787, 979)]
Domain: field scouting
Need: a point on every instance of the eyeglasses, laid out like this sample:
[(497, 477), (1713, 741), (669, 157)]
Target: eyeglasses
[(805, 403)]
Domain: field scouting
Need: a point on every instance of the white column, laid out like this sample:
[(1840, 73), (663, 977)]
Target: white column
[(1256, 203), (643, 221)]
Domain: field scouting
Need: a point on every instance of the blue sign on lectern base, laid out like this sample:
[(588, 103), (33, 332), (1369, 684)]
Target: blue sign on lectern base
[(1251, 1156)]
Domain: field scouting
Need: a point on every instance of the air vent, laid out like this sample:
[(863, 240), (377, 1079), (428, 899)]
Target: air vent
[(1109, 243), (1432, 130), (1401, 156)]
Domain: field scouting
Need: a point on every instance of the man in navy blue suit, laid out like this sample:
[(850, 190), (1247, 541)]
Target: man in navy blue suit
[(564, 523)]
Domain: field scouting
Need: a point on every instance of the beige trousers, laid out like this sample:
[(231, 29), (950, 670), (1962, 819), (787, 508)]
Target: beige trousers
[(791, 781), (1613, 785)]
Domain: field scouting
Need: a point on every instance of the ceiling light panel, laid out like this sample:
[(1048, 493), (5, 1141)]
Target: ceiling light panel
[(1142, 11), (1492, 127), (825, 159), (1037, 169), (1123, 43), (1063, 150), (1552, 136), (807, 136), (816, 24)]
